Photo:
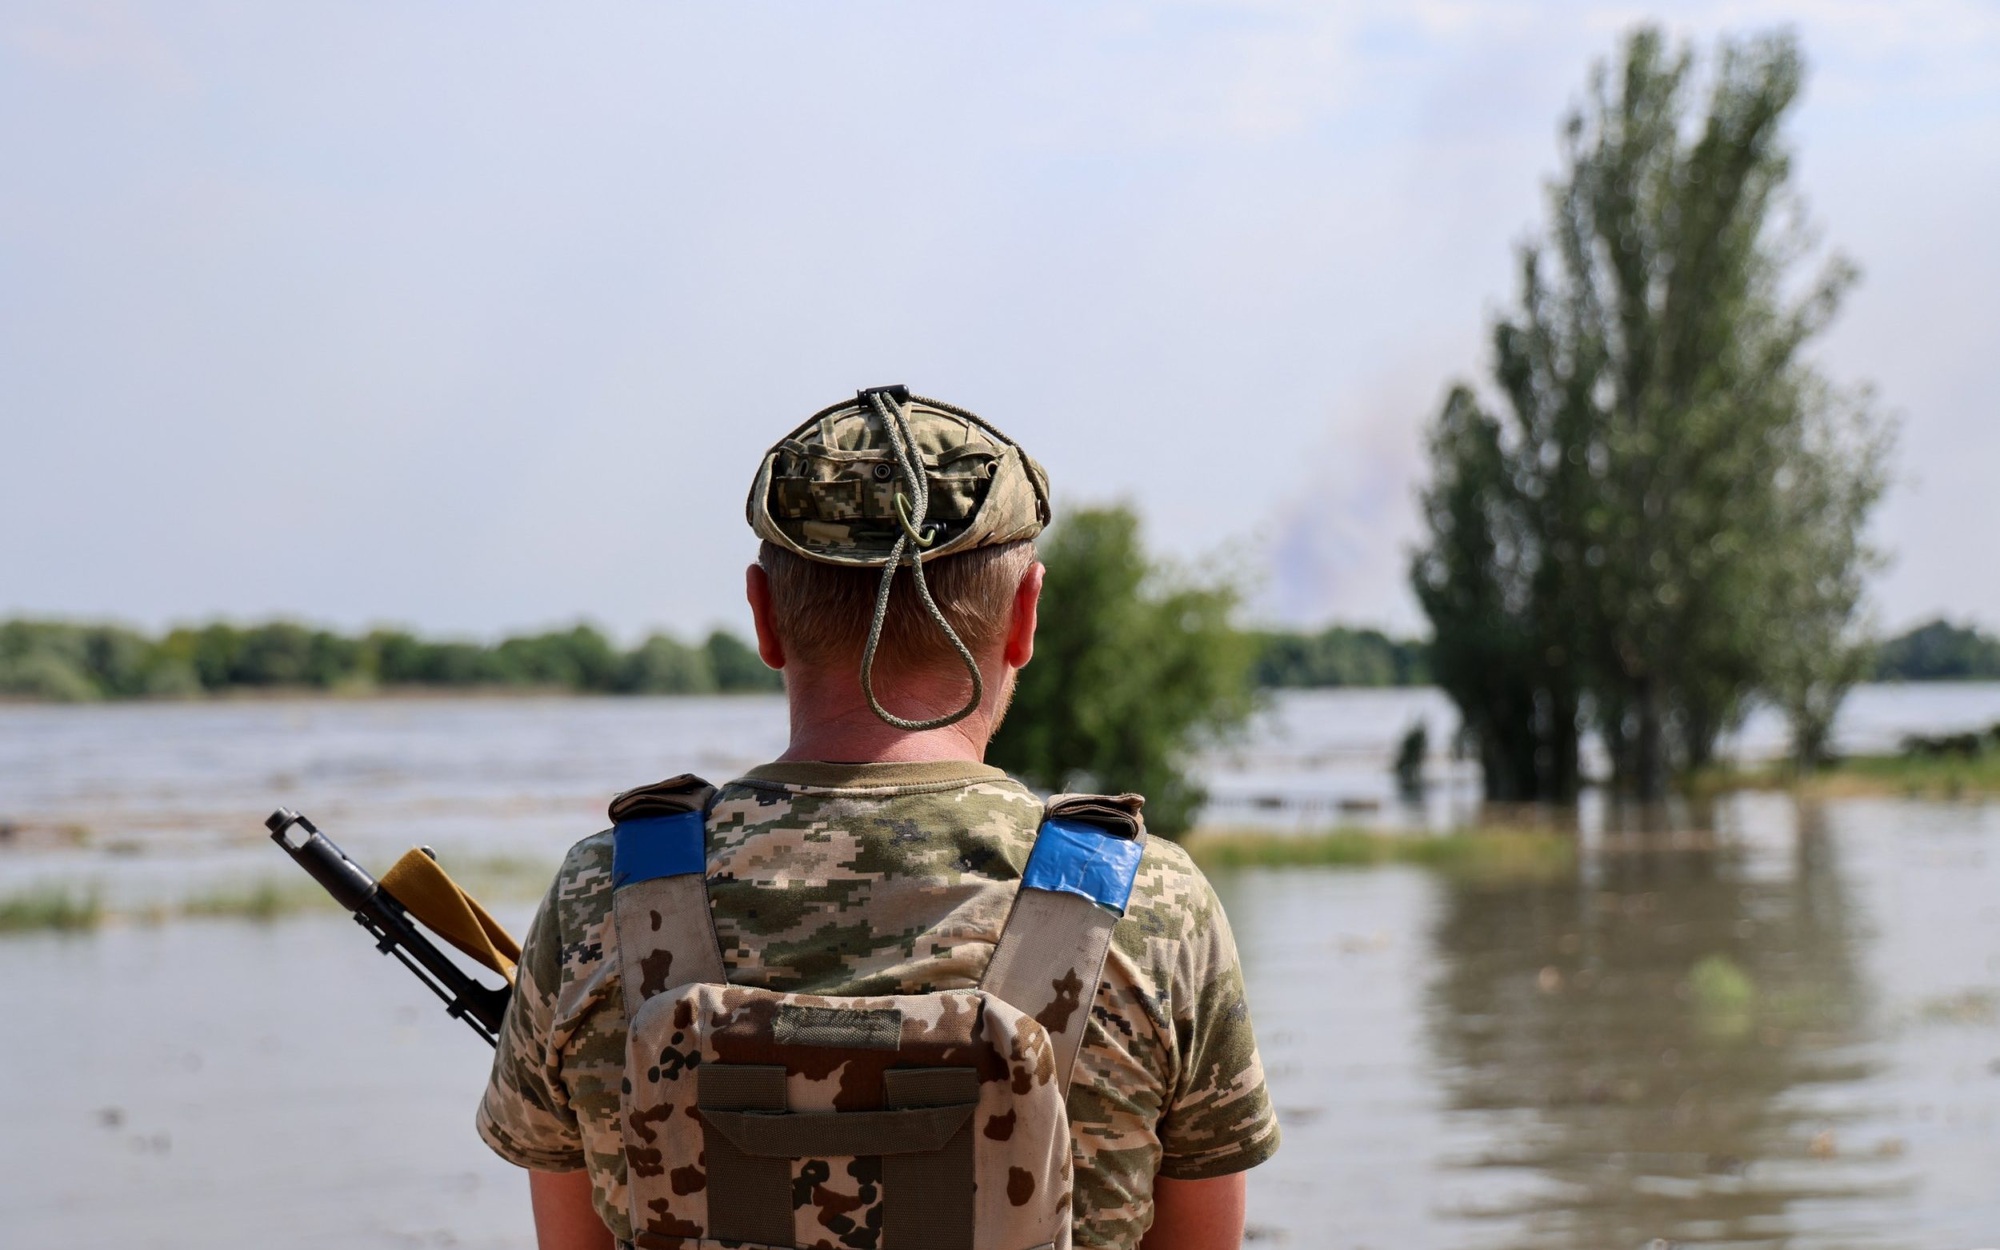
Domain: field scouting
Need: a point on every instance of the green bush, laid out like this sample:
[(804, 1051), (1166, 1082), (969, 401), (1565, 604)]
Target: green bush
[(1135, 666), (49, 908)]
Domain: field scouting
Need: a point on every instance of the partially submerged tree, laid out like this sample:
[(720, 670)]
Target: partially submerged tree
[(1813, 645), (1498, 651), (1666, 514)]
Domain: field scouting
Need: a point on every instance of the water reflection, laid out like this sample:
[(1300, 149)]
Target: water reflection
[(1649, 1028)]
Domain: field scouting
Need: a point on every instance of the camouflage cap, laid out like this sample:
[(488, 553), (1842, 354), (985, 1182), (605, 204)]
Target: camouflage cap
[(889, 478), (834, 489)]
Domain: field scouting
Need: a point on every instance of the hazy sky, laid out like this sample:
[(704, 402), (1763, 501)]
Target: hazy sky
[(478, 317)]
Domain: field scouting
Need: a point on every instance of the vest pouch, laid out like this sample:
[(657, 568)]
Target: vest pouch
[(908, 1122)]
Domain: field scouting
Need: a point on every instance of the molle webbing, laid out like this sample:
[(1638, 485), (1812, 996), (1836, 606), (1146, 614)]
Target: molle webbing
[(923, 1138), (749, 1196), (939, 1216), (832, 1134), (1078, 880)]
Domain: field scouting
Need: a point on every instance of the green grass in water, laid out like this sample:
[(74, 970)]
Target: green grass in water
[(260, 900), (1723, 996), (49, 909), (1913, 776), (1478, 852), (503, 878), (494, 880), (1948, 777)]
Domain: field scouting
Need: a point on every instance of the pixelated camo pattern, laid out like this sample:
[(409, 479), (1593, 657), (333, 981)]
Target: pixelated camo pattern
[(885, 879)]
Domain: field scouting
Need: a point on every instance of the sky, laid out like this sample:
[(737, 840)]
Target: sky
[(478, 319)]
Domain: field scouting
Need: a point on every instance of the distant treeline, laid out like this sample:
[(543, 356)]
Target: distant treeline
[(1339, 656), (62, 661), (1939, 651)]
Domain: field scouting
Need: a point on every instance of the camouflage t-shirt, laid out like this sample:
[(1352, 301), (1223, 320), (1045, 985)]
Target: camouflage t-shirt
[(875, 879)]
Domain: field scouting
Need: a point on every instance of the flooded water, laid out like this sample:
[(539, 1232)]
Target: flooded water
[(1778, 1026), (1788, 1038)]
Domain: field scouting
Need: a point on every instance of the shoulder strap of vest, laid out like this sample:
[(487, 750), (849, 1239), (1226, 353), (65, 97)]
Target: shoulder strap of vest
[(1078, 879), (659, 881)]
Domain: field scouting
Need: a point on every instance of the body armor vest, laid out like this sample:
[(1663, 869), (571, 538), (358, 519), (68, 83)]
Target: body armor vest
[(952, 1103)]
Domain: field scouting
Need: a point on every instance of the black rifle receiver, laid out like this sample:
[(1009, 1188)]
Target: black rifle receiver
[(376, 910)]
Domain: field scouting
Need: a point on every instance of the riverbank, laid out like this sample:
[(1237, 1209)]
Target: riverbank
[(1496, 851), (1904, 775)]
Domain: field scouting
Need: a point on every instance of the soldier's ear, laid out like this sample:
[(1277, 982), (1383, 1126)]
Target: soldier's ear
[(757, 588), (1021, 624)]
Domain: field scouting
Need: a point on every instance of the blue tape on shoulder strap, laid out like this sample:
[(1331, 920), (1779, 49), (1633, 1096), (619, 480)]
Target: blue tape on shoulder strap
[(658, 846), (1071, 857)]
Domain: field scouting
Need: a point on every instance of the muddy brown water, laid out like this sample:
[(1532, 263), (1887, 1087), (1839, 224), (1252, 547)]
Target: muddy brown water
[(1779, 1027)]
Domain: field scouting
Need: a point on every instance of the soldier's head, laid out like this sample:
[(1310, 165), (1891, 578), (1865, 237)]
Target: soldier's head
[(889, 494)]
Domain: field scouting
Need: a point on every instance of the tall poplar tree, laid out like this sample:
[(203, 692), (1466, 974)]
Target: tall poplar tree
[(1664, 515)]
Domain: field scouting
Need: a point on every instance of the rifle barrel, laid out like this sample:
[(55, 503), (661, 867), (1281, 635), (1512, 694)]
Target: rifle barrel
[(379, 912)]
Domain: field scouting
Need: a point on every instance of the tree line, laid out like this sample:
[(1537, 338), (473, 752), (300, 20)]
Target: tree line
[(1939, 651), (70, 662), (1343, 656), (65, 661)]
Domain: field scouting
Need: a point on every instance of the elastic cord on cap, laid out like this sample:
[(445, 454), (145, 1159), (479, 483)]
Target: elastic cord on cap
[(895, 422)]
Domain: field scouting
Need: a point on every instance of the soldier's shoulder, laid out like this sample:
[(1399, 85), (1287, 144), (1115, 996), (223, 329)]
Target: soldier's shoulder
[(1006, 789), (583, 882), (586, 869), (1171, 898), (588, 857)]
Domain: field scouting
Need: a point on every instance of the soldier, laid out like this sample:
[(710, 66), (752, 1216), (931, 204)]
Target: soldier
[(883, 912)]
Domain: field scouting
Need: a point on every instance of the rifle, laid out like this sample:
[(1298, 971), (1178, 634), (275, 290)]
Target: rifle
[(389, 920)]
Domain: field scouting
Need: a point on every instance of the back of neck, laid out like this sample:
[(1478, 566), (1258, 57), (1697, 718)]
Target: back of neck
[(831, 721)]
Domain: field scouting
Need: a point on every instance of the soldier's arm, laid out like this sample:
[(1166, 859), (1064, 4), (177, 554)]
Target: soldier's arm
[(1194, 1215), (1220, 1122), (524, 1116), (564, 1218)]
